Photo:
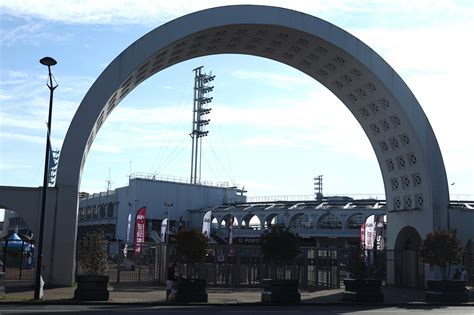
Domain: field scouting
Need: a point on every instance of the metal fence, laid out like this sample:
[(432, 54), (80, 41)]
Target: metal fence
[(243, 266), (17, 259)]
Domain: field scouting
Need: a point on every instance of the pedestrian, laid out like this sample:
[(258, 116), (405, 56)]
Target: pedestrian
[(463, 274), (170, 280), (457, 274)]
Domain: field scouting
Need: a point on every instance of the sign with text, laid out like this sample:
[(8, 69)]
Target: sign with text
[(140, 230)]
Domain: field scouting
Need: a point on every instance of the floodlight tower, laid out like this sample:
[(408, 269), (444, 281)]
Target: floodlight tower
[(318, 187), (201, 98)]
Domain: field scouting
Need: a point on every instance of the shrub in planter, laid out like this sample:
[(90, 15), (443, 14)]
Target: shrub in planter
[(92, 258), (191, 247), (443, 249), (362, 286), (281, 247)]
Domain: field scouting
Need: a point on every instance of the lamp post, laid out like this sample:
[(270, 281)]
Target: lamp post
[(49, 62), (168, 205)]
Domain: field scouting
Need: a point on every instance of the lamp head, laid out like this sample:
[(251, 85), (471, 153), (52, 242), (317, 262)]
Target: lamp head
[(48, 61)]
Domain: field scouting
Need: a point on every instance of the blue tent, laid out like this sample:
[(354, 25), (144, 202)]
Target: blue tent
[(15, 242)]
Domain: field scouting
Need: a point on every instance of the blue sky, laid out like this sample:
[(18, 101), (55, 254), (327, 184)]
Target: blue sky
[(272, 128)]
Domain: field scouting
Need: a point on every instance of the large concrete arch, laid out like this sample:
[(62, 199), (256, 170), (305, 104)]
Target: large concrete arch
[(401, 136)]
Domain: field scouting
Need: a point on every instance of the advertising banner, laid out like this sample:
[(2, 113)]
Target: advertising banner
[(164, 225), (370, 232), (362, 236), (129, 222), (140, 230), (380, 232), (206, 224)]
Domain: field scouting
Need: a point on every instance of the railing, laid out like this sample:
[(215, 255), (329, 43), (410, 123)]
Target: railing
[(251, 199), (176, 179), (17, 260)]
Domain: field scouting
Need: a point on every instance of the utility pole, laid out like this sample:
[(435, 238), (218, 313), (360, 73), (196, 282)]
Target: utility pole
[(201, 98)]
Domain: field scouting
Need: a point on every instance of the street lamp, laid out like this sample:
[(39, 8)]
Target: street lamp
[(49, 62), (168, 205)]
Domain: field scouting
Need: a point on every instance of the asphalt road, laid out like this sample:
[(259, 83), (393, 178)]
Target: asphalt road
[(234, 310)]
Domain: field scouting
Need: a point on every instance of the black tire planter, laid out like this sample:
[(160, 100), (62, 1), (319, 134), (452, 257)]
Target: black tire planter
[(191, 290), (363, 290), (446, 291), (91, 288), (280, 291)]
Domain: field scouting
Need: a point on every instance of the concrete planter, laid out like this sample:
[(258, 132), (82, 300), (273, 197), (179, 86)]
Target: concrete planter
[(91, 288), (363, 290), (446, 291), (191, 290), (282, 291)]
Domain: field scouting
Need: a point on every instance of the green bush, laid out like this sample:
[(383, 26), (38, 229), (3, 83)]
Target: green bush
[(280, 245), (93, 254), (356, 265), (442, 248), (191, 246)]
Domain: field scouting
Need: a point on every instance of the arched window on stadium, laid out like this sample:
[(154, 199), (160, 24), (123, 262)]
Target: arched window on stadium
[(355, 221), (273, 220), (88, 213), (301, 221), (330, 221), (95, 212), (225, 222), (214, 224), (110, 210), (251, 221), (102, 211), (82, 214)]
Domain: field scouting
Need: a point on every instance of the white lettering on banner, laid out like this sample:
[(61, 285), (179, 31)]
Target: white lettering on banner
[(370, 232)]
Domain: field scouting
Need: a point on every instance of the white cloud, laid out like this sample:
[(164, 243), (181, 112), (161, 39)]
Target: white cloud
[(18, 74), (26, 138), (281, 142), (12, 166), (30, 32), (106, 148), (4, 97), (272, 79), (152, 12)]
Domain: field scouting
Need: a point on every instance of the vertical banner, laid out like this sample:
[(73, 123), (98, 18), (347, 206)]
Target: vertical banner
[(206, 224), (140, 230), (129, 222), (380, 232), (231, 230), (362, 237), (370, 232), (164, 226)]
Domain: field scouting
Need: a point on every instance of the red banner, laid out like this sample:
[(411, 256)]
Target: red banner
[(140, 230)]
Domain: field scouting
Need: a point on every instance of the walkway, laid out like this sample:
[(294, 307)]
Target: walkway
[(156, 295)]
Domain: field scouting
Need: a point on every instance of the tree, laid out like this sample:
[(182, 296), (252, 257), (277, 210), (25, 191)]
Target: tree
[(280, 245), (356, 265), (93, 254), (191, 246), (442, 248)]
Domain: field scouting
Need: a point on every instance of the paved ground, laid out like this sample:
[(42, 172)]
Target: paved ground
[(156, 295), (310, 309)]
